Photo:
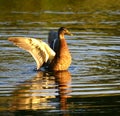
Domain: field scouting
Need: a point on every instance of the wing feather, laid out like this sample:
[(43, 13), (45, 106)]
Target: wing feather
[(40, 51), (51, 38)]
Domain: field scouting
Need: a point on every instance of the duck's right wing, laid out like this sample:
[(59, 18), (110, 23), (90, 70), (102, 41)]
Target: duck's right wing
[(52, 36), (40, 51)]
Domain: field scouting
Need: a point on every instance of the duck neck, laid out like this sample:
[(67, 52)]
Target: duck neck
[(61, 35), (60, 38)]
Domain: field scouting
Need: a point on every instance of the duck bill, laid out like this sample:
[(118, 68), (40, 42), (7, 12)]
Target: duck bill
[(69, 33)]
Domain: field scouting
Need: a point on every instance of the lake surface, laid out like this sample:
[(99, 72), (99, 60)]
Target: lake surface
[(91, 85)]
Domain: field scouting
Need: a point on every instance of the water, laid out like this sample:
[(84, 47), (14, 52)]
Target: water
[(92, 83)]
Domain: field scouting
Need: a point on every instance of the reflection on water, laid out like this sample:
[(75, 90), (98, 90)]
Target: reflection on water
[(44, 91), (92, 87)]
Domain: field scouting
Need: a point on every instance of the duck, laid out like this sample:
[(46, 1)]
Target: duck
[(55, 55)]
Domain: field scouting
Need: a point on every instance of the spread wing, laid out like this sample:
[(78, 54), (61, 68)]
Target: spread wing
[(52, 37), (40, 51)]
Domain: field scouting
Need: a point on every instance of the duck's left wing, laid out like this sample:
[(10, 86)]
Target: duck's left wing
[(40, 51)]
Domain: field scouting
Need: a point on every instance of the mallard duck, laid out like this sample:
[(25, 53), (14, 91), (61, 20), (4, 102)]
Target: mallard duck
[(55, 54)]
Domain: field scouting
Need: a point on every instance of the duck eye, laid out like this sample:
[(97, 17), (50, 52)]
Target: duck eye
[(64, 29)]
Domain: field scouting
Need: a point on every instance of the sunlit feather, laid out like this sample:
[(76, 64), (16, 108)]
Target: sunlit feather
[(40, 51)]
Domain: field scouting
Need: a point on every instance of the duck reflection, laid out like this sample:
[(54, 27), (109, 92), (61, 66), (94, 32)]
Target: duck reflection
[(63, 78), (44, 91)]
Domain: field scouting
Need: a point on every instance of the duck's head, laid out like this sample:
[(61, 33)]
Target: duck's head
[(63, 30)]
